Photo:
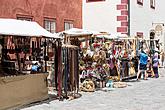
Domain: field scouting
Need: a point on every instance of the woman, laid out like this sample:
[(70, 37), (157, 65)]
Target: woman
[(155, 64)]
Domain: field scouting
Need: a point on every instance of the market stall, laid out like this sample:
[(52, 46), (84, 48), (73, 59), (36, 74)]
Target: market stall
[(77, 37), (128, 57), (70, 61), (75, 41), (153, 46), (120, 52), (23, 74), (95, 61), (133, 46), (108, 45)]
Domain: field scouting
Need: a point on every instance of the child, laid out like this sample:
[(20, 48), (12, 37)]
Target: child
[(155, 64)]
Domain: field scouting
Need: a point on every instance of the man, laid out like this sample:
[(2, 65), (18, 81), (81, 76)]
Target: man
[(143, 64)]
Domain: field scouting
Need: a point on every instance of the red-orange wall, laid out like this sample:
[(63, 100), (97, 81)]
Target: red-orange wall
[(39, 9)]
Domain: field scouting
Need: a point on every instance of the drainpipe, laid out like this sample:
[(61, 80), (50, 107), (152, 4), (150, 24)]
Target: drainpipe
[(129, 17)]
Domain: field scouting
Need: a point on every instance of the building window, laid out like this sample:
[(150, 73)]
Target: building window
[(24, 18), (140, 2), (68, 25), (152, 4), (94, 0), (139, 34), (50, 25)]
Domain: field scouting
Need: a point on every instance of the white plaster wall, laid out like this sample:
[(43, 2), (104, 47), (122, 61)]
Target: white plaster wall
[(160, 18), (101, 16), (160, 11), (141, 17)]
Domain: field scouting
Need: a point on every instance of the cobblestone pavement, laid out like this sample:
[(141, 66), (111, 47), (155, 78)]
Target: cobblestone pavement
[(143, 95)]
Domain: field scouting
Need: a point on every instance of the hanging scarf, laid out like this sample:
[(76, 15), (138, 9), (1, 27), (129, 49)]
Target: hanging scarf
[(59, 71)]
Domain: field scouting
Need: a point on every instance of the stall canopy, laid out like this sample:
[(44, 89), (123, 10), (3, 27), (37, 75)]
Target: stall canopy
[(110, 36), (77, 32), (95, 33), (23, 28), (119, 35)]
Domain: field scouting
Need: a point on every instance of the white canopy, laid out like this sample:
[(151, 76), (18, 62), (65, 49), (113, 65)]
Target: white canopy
[(119, 35), (77, 32), (106, 36), (127, 38), (95, 33), (111, 37), (23, 28)]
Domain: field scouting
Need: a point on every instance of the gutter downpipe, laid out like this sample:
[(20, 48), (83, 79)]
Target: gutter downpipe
[(129, 17)]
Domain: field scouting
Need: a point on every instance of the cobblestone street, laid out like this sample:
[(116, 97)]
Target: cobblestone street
[(143, 95), (82, 55)]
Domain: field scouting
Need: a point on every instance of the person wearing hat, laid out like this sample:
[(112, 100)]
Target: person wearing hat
[(143, 64)]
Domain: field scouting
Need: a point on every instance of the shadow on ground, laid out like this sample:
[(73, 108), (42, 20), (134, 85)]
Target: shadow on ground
[(52, 97)]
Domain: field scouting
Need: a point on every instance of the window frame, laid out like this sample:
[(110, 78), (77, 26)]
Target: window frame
[(70, 22), (140, 34), (152, 4), (50, 21), (88, 1), (24, 17), (140, 2)]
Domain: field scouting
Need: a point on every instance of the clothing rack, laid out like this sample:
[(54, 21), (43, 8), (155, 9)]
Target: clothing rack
[(66, 69)]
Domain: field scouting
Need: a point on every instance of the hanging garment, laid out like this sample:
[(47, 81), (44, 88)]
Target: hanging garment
[(69, 70), (76, 80), (72, 69), (66, 71), (59, 71), (131, 69), (113, 68), (111, 63), (56, 64), (135, 61), (77, 60)]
